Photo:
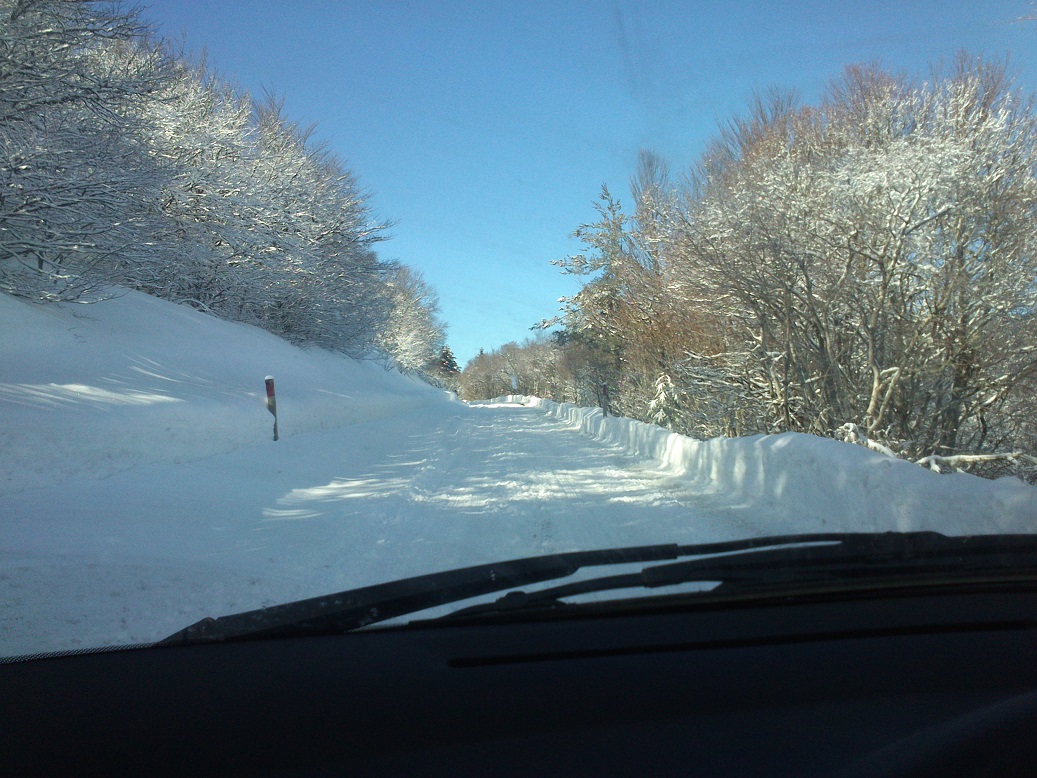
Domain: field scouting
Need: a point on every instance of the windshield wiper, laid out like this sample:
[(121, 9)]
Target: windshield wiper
[(804, 558), (856, 561)]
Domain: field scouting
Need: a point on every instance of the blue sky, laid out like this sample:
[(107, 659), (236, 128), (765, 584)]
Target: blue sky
[(486, 129)]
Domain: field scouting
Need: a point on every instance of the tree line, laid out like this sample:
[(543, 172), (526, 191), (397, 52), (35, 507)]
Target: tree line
[(125, 163), (864, 268)]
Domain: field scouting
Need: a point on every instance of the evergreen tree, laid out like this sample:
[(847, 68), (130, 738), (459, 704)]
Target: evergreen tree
[(447, 364)]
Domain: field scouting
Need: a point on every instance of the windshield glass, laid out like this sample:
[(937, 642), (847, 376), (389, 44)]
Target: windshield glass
[(303, 297)]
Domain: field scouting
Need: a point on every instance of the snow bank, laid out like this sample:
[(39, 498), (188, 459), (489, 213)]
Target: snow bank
[(89, 390), (818, 481)]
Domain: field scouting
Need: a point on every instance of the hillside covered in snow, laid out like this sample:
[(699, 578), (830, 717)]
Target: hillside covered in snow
[(140, 488)]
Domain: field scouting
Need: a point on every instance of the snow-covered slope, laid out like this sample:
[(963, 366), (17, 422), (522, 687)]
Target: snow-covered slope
[(140, 489), (89, 390)]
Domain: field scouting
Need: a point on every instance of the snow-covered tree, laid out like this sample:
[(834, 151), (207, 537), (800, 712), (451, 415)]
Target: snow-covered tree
[(80, 185), (665, 409), (317, 233), (124, 162), (876, 251), (203, 132), (413, 334), (868, 260), (446, 363), (269, 227)]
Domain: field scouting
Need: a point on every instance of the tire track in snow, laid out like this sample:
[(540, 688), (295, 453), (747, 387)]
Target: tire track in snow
[(534, 485), (434, 489)]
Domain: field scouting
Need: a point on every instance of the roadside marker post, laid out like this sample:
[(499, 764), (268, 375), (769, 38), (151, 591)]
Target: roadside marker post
[(271, 401)]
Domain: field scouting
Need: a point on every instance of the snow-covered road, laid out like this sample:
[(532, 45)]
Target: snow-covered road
[(139, 554), (140, 489)]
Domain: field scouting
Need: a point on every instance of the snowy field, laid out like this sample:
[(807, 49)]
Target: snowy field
[(140, 489)]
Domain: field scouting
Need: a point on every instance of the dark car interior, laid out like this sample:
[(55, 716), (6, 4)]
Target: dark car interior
[(897, 682)]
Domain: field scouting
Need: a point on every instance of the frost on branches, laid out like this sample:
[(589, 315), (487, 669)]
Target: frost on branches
[(124, 163), (78, 180), (870, 258)]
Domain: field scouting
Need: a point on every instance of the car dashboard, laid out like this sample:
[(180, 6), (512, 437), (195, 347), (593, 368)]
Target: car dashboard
[(893, 683)]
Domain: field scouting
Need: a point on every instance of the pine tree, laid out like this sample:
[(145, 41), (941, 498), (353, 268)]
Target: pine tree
[(665, 406), (447, 364)]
